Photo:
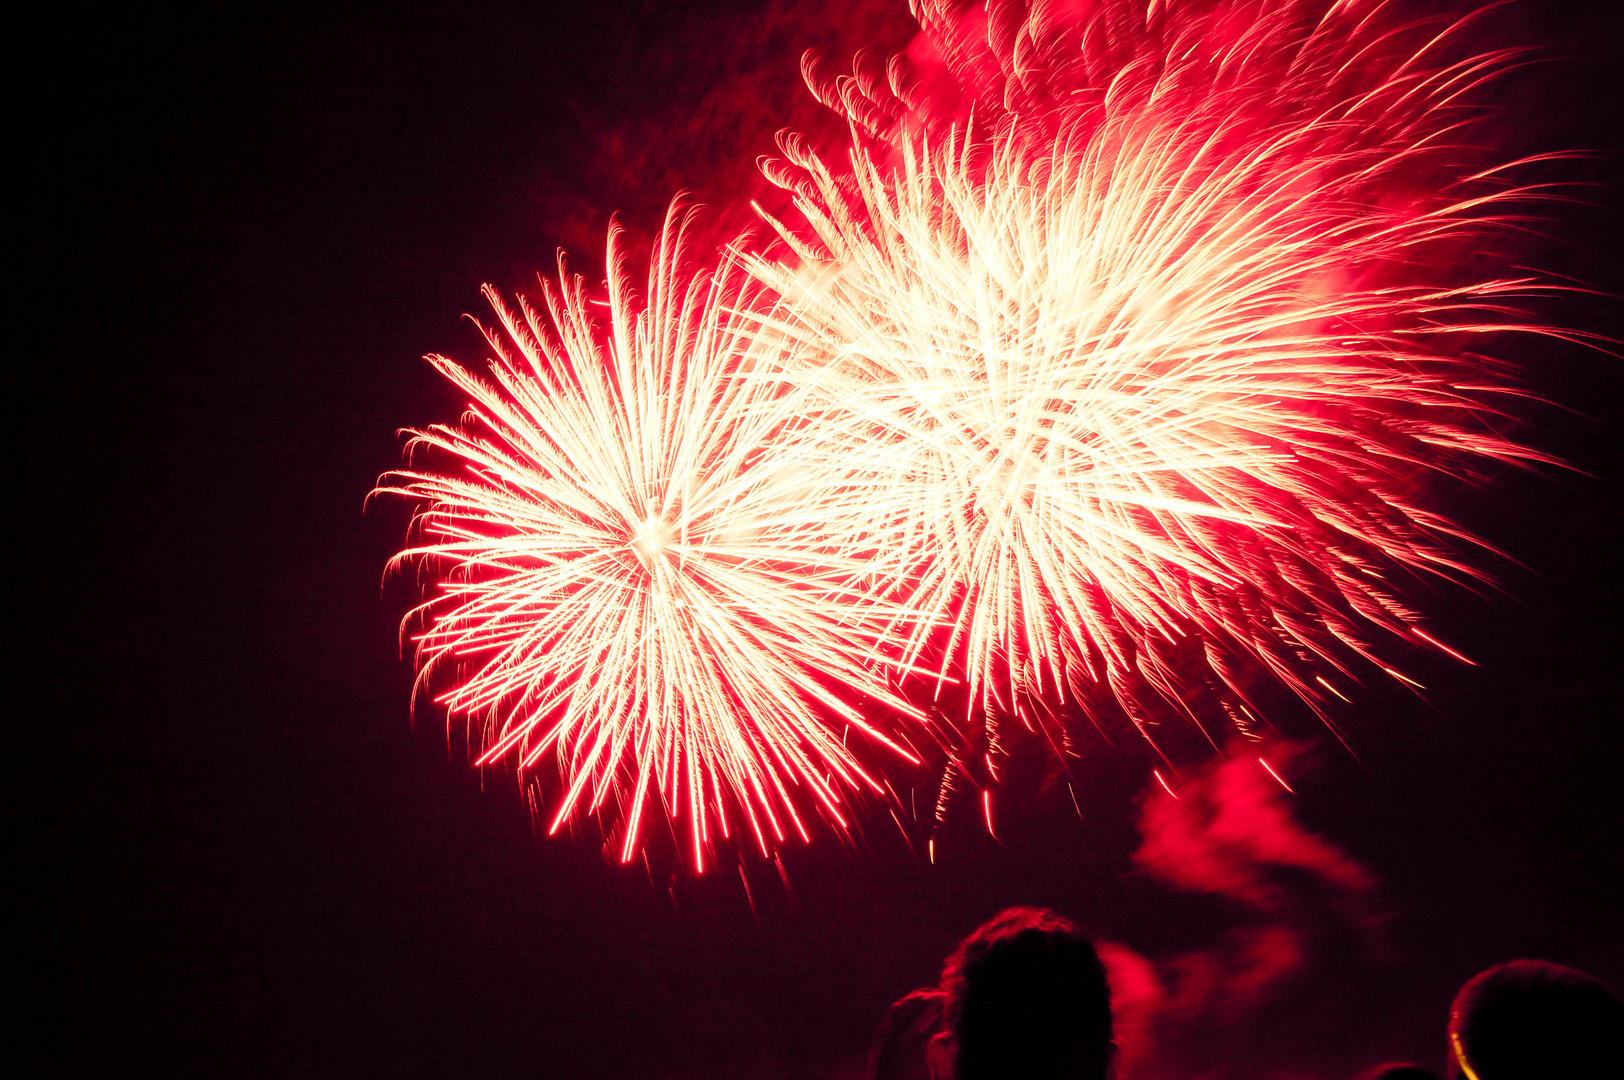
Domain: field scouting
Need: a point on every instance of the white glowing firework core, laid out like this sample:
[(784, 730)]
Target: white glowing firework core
[(643, 568)]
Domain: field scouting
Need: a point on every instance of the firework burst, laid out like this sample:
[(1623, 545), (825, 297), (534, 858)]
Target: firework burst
[(1104, 374), (1148, 320), (641, 567)]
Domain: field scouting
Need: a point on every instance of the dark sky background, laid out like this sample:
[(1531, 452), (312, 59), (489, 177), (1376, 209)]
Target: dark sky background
[(233, 853)]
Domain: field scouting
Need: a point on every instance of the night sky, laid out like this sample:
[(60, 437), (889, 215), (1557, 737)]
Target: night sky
[(233, 852)]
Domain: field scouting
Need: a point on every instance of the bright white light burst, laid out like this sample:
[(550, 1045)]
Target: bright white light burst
[(1158, 353), (641, 566)]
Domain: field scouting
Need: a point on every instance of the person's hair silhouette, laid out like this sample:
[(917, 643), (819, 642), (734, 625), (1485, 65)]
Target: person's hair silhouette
[(1026, 998), (1530, 1018)]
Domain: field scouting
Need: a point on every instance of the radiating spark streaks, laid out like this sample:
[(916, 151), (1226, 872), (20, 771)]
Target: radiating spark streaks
[(1102, 372), (640, 567), (1153, 346)]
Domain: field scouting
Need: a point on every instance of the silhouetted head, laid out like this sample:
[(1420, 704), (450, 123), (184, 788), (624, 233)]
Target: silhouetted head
[(1530, 1018), (1026, 999)]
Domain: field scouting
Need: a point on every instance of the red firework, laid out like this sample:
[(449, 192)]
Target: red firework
[(639, 562), (1103, 372), (1144, 306)]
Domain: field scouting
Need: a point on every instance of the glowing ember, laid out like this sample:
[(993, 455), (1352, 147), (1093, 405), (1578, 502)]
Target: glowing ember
[(635, 564)]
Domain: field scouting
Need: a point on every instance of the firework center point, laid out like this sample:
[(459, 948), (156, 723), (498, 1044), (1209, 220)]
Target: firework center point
[(652, 540)]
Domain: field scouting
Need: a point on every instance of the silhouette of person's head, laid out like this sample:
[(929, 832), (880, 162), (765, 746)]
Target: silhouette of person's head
[(1026, 998), (1530, 1018)]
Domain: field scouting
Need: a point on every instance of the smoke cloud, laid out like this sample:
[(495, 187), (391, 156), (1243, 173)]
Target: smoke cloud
[(1307, 921)]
